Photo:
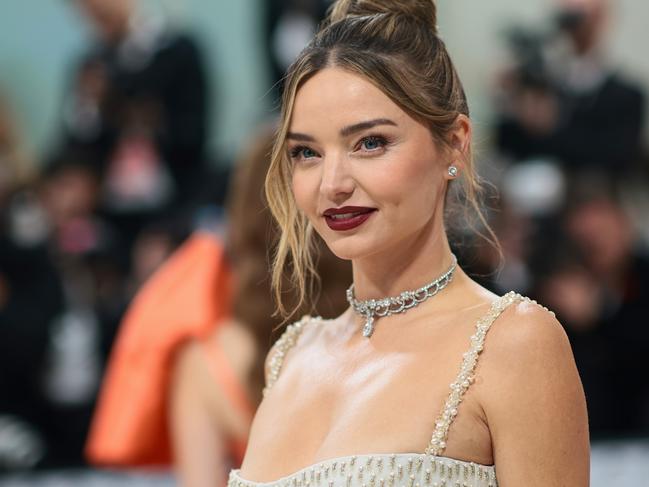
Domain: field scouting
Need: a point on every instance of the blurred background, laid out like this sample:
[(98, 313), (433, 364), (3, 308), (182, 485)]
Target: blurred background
[(122, 120)]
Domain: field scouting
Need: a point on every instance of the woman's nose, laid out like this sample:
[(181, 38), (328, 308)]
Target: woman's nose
[(337, 184)]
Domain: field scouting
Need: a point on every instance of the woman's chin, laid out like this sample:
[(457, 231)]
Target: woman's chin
[(349, 249)]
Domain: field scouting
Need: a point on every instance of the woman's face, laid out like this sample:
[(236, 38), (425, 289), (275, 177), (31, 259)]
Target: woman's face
[(367, 175)]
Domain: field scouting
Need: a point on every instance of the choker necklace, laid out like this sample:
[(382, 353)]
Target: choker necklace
[(379, 308)]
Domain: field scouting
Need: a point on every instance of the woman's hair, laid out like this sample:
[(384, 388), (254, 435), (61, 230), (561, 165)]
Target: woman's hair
[(250, 234), (395, 46)]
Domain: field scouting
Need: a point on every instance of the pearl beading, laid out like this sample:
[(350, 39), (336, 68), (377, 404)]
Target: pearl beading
[(383, 470), (465, 378), (281, 348)]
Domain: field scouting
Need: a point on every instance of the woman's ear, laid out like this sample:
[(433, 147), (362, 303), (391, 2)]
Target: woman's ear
[(460, 145), (460, 136)]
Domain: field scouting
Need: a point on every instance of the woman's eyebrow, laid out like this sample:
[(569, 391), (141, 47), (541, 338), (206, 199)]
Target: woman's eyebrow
[(300, 137), (345, 131), (357, 127)]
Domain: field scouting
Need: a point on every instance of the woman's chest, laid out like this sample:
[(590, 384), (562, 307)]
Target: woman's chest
[(326, 405)]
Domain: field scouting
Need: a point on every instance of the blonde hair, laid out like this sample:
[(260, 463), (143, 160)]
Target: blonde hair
[(395, 46)]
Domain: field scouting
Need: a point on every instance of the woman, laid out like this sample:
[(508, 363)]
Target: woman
[(374, 129)]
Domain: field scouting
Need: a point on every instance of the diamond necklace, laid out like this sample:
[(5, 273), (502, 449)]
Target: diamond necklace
[(379, 308)]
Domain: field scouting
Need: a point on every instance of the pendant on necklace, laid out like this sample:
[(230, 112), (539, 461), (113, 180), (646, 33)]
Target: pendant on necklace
[(368, 329)]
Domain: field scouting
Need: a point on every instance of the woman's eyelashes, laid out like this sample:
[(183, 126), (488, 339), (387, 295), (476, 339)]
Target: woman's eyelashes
[(372, 144), (366, 146), (301, 153)]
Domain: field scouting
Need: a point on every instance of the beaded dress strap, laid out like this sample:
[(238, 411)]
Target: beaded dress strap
[(465, 377), (281, 347)]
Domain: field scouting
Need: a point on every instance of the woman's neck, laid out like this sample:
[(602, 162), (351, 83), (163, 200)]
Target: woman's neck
[(413, 263)]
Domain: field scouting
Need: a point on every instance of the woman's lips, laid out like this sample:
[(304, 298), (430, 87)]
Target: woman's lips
[(347, 218)]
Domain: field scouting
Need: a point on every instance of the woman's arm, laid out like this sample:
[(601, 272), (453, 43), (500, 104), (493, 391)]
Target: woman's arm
[(198, 436), (534, 402), (210, 404)]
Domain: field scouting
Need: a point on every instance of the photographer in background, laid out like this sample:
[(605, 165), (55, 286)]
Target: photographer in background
[(137, 109), (562, 100)]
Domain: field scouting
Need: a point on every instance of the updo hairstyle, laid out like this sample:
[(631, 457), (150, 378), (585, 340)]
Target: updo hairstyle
[(394, 45)]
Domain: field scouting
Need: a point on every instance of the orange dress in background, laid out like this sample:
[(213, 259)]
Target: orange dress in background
[(185, 299)]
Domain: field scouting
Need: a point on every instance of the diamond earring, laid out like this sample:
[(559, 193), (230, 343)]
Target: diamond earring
[(452, 171)]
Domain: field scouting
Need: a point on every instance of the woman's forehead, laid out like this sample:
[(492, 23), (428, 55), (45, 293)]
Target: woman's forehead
[(335, 98)]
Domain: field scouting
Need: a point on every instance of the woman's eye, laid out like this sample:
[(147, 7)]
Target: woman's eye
[(372, 143), (303, 153)]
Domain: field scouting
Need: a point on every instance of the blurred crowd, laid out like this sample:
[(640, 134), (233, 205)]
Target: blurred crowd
[(570, 135), (130, 178)]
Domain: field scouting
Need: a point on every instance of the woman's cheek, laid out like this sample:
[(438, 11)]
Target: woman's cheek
[(305, 200)]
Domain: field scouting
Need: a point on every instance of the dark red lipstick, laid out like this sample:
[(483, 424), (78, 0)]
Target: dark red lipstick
[(347, 217)]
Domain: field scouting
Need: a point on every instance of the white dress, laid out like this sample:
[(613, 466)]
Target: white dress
[(427, 469)]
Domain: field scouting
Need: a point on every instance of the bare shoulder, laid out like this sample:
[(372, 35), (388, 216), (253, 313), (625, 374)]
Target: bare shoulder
[(192, 361), (234, 333), (187, 360), (198, 364), (527, 352), (295, 336), (528, 331), (533, 399), (239, 346)]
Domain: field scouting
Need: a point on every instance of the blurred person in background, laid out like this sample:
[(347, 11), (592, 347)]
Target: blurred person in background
[(190, 353), (563, 103), (138, 107), (31, 299), (620, 267), (86, 253), (597, 279), (65, 287), (74, 363), (563, 100), (290, 25), (153, 246)]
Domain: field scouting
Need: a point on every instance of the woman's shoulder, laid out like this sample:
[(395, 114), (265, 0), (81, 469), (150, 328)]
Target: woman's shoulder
[(527, 355), (230, 340), (526, 325), (301, 333), (237, 337), (294, 337), (531, 394)]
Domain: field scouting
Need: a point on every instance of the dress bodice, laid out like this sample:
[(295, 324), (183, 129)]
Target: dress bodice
[(427, 469), (383, 470)]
